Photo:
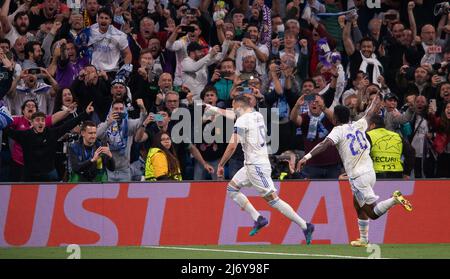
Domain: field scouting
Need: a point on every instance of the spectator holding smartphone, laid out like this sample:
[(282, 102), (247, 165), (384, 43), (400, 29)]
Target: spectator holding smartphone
[(118, 131), (31, 86), (222, 79)]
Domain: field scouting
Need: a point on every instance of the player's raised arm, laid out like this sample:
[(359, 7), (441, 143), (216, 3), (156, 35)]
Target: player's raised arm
[(322, 146), (374, 107), (227, 154)]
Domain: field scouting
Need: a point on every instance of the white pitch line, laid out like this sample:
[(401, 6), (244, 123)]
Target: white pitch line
[(256, 252)]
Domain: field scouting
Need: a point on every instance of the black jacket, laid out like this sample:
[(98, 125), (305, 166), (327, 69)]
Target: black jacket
[(39, 149)]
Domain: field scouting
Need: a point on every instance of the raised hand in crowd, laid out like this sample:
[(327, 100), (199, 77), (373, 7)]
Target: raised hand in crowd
[(90, 108)]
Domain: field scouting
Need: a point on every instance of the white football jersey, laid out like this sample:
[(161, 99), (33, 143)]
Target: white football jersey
[(107, 47), (251, 131), (353, 146)]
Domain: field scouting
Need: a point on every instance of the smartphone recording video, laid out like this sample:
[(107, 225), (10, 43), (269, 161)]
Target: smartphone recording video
[(187, 29), (34, 71)]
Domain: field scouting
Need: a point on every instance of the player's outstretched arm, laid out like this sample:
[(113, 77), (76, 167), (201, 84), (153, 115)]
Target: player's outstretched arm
[(321, 147), (374, 107), (224, 112), (227, 154)]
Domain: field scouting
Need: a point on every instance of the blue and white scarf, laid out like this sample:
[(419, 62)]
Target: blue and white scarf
[(41, 88), (117, 135), (5, 116), (316, 127)]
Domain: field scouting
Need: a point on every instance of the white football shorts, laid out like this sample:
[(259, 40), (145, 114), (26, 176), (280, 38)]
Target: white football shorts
[(362, 188), (257, 176)]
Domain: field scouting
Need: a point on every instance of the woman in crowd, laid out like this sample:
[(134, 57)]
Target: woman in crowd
[(162, 162)]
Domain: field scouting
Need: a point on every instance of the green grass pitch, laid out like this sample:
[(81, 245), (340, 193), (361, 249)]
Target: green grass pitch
[(394, 251)]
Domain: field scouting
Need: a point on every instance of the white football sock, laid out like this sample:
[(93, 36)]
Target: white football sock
[(287, 211), (384, 206), (363, 226), (243, 202)]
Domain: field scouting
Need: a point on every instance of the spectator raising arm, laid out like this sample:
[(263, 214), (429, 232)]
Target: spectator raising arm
[(346, 38), (6, 25)]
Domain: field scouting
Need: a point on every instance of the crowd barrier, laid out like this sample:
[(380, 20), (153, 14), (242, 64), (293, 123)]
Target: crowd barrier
[(197, 213)]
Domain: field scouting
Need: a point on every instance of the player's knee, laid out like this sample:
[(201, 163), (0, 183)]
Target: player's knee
[(273, 202), (232, 190), (372, 215)]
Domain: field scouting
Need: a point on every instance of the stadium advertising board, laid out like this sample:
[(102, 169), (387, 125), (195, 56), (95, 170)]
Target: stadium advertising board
[(201, 213)]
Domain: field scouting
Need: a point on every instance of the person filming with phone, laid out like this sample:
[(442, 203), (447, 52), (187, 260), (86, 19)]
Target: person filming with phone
[(118, 131)]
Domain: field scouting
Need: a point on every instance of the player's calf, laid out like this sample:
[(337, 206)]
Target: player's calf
[(235, 194)]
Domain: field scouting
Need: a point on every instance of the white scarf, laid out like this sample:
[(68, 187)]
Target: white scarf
[(428, 58), (376, 66)]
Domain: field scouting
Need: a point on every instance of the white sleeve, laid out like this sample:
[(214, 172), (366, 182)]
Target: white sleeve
[(335, 135), (123, 41), (362, 124), (176, 46), (239, 129), (263, 49), (191, 66)]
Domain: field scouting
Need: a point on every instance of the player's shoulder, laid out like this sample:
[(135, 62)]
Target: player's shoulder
[(361, 122)]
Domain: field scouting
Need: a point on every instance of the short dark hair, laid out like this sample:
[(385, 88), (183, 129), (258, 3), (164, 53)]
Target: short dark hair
[(29, 47), (244, 100), (377, 120), (228, 60), (38, 114), (207, 88), (105, 10), (342, 114), (5, 41), (87, 123), (20, 14), (117, 102), (145, 51), (252, 25), (274, 15), (367, 39), (309, 80), (29, 100)]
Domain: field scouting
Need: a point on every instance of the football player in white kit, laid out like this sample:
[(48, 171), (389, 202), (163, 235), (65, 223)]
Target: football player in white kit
[(354, 149), (250, 131)]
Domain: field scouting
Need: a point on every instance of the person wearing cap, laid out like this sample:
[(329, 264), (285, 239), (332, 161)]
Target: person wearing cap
[(393, 118), (119, 90), (195, 66)]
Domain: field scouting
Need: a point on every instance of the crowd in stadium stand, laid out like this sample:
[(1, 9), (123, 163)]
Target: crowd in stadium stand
[(138, 90)]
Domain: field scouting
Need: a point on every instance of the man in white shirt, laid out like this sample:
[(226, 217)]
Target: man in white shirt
[(18, 25), (250, 131), (354, 149), (195, 66), (251, 47), (108, 43), (180, 47)]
